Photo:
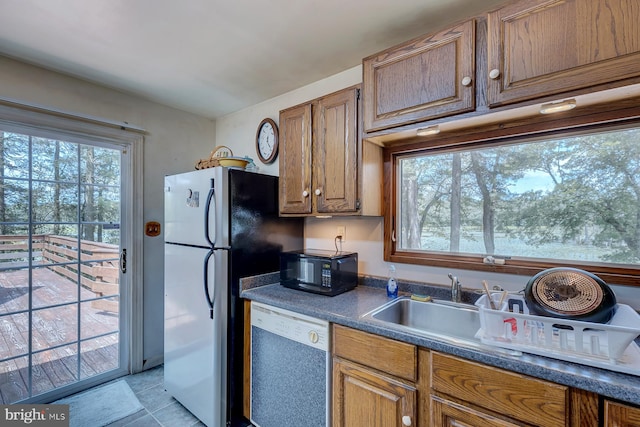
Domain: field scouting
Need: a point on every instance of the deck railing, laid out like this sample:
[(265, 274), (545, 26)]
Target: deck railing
[(98, 262)]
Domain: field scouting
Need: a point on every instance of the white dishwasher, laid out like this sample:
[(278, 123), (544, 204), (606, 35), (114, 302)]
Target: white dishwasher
[(290, 369)]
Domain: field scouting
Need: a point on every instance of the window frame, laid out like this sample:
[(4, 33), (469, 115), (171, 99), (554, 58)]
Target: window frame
[(605, 116)]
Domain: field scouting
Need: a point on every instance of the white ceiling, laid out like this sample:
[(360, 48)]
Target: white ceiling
[(214, 57)]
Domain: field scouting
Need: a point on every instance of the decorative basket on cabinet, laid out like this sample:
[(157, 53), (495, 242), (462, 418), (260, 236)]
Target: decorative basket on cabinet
[(213, 160)]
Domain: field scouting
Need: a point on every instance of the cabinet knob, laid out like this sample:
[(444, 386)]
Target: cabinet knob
[(305, 193), (406, 420), (466, 81), (318, 192), (494, 74)]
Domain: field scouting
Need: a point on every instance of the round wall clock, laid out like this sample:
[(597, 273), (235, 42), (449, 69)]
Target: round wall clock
[(267, 141)]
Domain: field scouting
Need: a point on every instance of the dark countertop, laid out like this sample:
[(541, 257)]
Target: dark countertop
[(347, 309)]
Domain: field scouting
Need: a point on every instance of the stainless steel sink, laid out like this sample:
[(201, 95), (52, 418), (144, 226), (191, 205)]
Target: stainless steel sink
[(438, 318)]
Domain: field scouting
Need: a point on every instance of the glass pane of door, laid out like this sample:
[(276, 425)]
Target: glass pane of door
[(60, 297)]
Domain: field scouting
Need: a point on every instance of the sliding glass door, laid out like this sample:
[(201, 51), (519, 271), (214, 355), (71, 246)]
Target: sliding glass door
[(60, 254)]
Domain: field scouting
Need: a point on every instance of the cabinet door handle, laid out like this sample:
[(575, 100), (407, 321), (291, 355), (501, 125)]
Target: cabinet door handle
[(494, 74), (318, 191), (406, 420), (466, 81), (305, 193)]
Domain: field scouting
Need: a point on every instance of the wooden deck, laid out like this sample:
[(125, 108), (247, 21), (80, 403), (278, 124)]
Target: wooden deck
[(52, 327)]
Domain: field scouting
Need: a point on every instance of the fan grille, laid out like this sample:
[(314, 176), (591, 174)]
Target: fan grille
[(568, 292)]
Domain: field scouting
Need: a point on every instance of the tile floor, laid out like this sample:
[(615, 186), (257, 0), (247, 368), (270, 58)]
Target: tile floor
[(160, 409)]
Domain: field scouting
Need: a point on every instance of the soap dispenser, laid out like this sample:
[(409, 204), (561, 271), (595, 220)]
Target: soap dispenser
[(392, 285)]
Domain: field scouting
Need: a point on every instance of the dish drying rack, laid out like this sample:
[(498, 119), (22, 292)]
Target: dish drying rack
[(603, 345)]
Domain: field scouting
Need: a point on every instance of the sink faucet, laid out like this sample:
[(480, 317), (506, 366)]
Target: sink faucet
[(456, 288)]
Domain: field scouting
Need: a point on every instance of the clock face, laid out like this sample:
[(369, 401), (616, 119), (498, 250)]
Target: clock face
[(267, 141)]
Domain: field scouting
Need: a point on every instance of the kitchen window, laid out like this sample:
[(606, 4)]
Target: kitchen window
[(519, 204)]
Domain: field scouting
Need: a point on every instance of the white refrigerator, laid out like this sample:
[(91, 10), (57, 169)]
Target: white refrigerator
[(220, 225)]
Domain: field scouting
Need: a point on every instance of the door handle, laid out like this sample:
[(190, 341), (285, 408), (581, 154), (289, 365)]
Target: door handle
[(123, 261), (211, 197), (210, 299)]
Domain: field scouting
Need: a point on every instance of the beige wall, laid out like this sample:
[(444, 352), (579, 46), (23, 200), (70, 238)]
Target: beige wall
[(173, 143)]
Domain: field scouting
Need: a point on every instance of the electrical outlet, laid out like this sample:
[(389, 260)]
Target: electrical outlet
[(342, 231)]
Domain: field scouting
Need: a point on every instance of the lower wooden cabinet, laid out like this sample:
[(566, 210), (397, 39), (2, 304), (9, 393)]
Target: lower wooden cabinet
[(381, 382), (620, 415), (373, 380), (365, 398)]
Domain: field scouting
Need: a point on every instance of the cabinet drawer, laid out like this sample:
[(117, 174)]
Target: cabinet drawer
[(620, 415), (445, 413), (393, 357), (523, 398)]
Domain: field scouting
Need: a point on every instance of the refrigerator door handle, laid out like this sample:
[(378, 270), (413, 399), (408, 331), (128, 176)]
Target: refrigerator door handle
[(210, 299), (207, 211)]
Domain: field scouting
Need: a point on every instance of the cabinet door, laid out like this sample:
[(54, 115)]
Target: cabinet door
[(335, 152), (619, 415), (363, 398), (295, 160), (543, 47), (428, 77), (449, 414)]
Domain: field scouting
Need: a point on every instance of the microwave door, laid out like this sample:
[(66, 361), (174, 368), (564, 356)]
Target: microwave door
[(305, 271)]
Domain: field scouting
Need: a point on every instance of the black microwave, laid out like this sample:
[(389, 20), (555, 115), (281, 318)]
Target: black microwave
[(319, 271)]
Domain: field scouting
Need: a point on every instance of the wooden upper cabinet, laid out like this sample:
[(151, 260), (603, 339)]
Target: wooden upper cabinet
[(538, 48), (323, 161), (428, 77), (335, 153), (295, 160)]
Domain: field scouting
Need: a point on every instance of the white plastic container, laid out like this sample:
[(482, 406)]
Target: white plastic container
[(605, 345)]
